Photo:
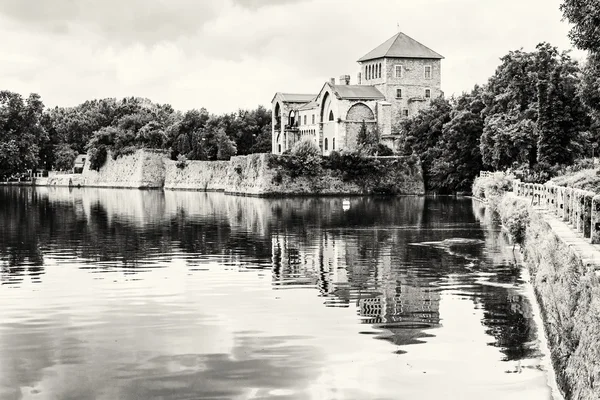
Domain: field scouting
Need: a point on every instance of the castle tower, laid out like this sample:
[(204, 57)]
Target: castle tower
[(406, 72)]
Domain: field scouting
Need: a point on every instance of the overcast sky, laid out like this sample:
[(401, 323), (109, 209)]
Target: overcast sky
[(230, 54)]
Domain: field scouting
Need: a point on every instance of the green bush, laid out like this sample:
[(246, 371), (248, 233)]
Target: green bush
[(181, 161), (303, 160), (514, 215), (492, 188), (97, 157), (383, 151)]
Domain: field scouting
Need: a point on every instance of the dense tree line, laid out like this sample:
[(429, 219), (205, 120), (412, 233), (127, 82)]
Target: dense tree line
[(32, 137), (530, 117)]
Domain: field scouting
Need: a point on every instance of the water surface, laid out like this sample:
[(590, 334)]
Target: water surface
[(123, 294)]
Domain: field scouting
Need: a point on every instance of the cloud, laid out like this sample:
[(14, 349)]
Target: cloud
[(124, 22), (256, 4), (223, 55)]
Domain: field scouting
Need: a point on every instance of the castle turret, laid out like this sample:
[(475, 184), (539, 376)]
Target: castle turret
[(405, 71)]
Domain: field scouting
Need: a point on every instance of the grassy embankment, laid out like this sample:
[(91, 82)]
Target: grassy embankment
[(586, 179), (567, 291)]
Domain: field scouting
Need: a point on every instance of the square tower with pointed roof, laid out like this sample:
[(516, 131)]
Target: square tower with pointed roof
[(405, 71)]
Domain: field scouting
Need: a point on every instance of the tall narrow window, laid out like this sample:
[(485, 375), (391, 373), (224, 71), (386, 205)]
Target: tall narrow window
[(279, 148), (331, 115), (428, 72), (398, 71), (405, 112), (427, 93), (399, 93), (305, 120), (313, 119), (325, 143), (333, 144), (380, 70)]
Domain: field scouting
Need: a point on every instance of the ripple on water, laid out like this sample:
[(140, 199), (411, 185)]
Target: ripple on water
[(145, 294)]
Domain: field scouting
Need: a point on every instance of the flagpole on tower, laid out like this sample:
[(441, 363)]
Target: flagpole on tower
[(398, 26)]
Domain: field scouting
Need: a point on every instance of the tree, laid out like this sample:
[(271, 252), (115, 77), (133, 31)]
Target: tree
[(534, 113), (225, 147), (585, 16), (459, 159), (420, 134), (21, 132), (65, 157)]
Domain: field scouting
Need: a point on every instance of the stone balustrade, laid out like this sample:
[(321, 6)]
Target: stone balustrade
[(579, 208)]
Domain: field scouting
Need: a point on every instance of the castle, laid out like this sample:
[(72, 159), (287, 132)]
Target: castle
[(396, 80)]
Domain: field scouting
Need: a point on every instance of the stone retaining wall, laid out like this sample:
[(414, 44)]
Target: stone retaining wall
[(564, 270), (248, 175), (578, 208)]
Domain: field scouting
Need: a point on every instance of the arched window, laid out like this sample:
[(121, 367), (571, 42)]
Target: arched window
[(325, 143), (331, 115), (333, 143)]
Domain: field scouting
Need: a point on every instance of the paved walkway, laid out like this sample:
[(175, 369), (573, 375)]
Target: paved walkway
[(589, 253)]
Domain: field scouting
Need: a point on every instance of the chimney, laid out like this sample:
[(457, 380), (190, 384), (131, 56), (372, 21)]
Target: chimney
[(344, 79), (359, 79), (332, 81)]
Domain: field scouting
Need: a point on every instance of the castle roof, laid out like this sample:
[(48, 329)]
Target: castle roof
[(296, 97), (357, 92), (401, 46), (309, 106)]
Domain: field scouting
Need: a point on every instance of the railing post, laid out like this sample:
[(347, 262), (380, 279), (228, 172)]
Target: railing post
[(587, 213), (553, 194), (566, 211), (579, 210), (573, 215), (595, 226), (560, 198), (547, 197)]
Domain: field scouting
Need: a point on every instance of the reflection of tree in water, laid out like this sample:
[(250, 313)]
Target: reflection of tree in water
[(508, 318), (363, 256), (396, 285), (20, 253)]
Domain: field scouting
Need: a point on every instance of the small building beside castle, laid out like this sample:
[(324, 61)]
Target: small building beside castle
[(396, 80)]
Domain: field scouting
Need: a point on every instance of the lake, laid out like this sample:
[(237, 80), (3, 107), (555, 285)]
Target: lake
[(127, 294)]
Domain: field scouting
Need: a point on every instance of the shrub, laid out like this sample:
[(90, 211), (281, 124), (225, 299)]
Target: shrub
[(383, 150), (305, 159), (492, 188), (514, 215), (64, 157), (97, 157), (181, 161), (540, 173)]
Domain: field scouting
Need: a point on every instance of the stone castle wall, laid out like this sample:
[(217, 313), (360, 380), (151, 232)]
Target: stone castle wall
[(143, 169), (247, 175)]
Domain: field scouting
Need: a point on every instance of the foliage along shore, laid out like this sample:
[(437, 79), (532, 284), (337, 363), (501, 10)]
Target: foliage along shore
[(567, 290)]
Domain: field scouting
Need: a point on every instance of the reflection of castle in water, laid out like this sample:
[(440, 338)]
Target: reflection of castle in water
[(384, 293)]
